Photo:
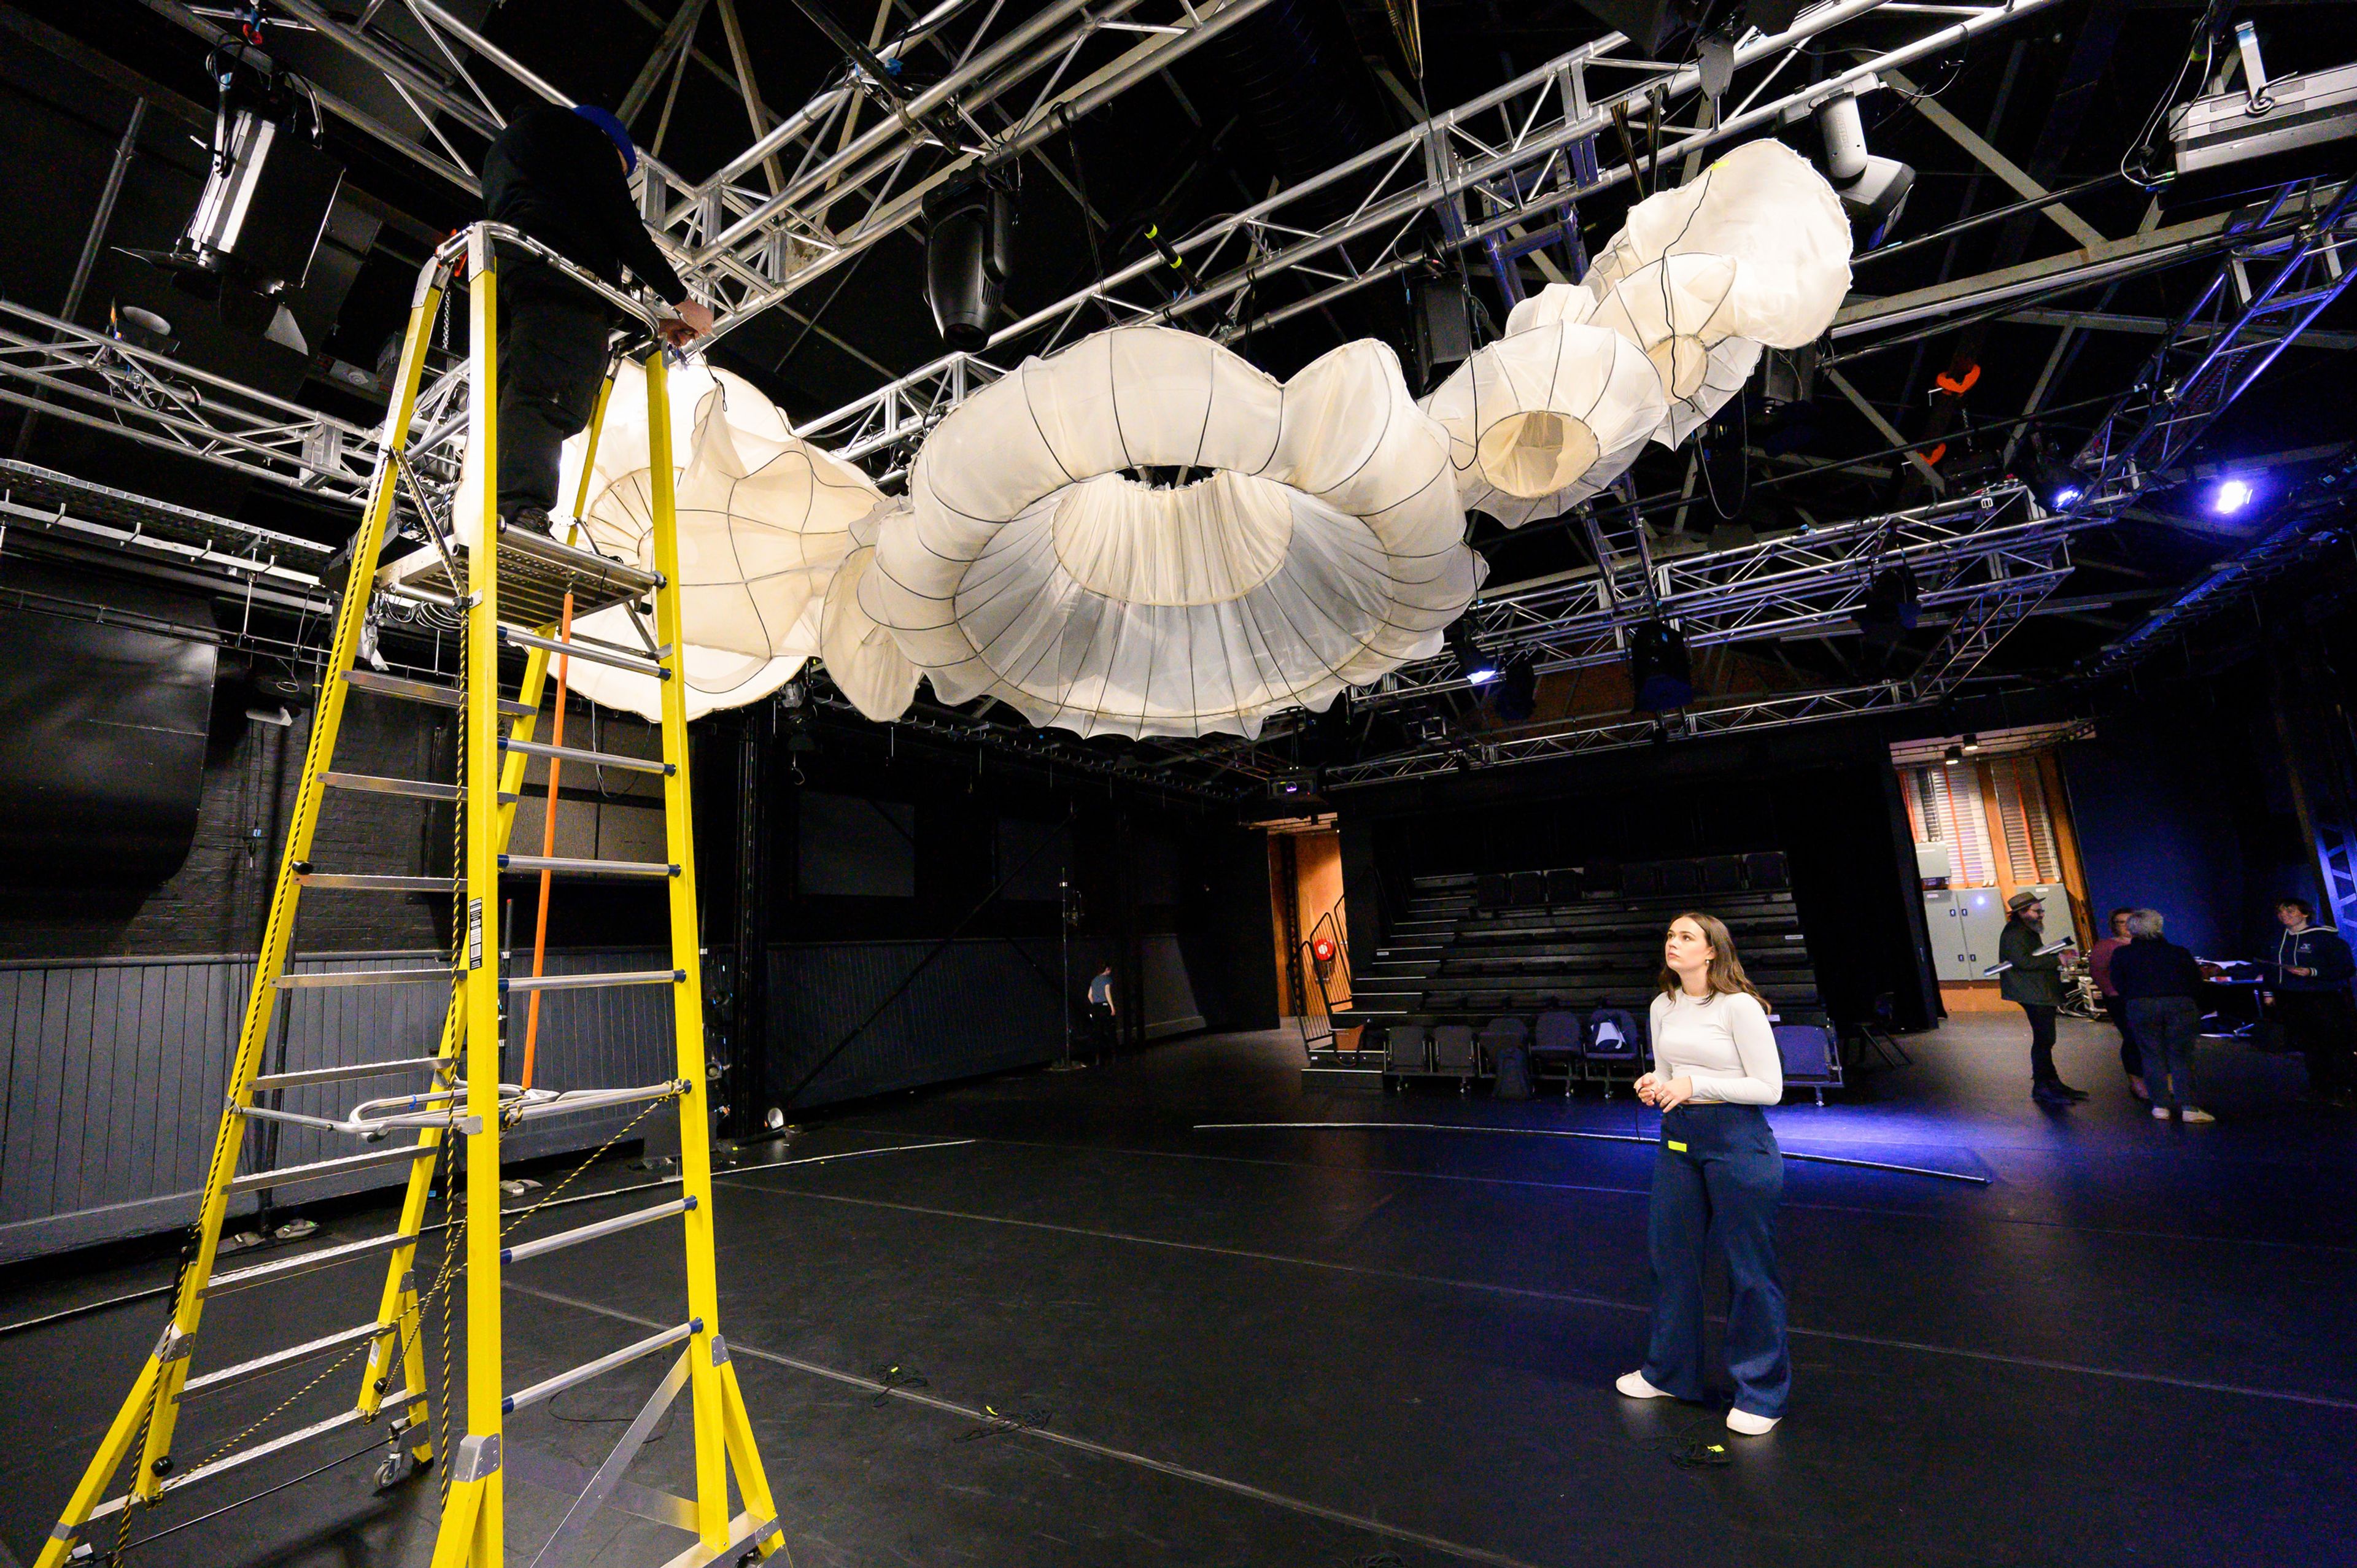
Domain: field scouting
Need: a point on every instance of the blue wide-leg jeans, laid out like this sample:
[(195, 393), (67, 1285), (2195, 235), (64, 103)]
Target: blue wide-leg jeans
[(1717, 1175)]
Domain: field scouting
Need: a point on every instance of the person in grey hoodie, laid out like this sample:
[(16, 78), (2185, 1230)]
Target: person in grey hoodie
[(2033, 981)]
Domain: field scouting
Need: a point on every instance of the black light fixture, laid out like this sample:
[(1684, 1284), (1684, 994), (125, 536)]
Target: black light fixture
[(1872, 189), (1893, 603), (969, 255), (1515, 696), (1954, 756), (1660, 671), (1478, 668), (1972, 745)]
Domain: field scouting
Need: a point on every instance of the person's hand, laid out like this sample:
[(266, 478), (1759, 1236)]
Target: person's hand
[(2303, 974), (1645, 1086), (1669, 1093), (689, 320)]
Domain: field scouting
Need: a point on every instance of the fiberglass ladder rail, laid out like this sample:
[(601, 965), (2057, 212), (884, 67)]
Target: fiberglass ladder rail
[(512, 588)]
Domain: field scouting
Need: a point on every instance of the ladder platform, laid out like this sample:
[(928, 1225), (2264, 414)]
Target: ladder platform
[(352, 882), (353, 1069), (563, 866), (592, 650), (589, 758), (594, 1231), (426, 692), (272, 1360), (254, 1181), (549, 1388), (593, 981), (536, 574), (416, 789)]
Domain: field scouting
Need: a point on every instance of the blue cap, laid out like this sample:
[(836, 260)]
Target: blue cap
[(618, 131)]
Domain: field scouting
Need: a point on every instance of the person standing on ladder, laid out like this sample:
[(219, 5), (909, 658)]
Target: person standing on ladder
[(562, 175)]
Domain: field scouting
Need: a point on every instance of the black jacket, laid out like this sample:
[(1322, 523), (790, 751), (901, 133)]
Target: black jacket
[(555, 176), (2035, 981), (2155, 966), (2318, 947)]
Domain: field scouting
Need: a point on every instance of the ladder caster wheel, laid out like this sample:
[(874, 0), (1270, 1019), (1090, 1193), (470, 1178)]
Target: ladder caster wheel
[(394, 1469), (163, 1465)]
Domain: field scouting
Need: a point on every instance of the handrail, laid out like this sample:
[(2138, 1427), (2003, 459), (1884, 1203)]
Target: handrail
[(447, 255)]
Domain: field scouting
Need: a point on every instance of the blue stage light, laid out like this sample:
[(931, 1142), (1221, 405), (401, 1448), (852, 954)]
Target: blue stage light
[(2068, 496), (2231, 497)]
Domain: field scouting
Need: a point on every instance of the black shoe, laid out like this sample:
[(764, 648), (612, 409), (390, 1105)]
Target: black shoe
[(2073, 1093), (2053, 1094), (534, 518)]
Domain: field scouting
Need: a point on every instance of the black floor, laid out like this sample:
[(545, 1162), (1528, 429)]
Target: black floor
[(2136, 1344)]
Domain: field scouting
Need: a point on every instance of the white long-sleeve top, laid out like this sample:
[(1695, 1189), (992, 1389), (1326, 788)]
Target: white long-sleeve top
[(1724, 1043)]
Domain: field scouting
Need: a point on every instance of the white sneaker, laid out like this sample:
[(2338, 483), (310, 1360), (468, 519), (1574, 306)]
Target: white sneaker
[(1751, 1425), (2194, 1113), (1634, 1386), (2160, 1113)]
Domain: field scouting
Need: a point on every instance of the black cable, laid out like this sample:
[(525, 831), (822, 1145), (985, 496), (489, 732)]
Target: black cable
[(255, 1497)]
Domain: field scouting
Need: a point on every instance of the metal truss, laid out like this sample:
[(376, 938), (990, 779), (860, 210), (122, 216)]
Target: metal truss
[(1503, 171), (1801, 584), (2268, 291), (1466, 755), (73, 373)]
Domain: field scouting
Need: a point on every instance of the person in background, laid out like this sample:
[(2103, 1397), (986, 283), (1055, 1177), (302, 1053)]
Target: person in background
[(2311, 967), (561, 177), (2033, 981), (2098, 964), (1717, 1177), (2161, 983), (1102, 1013)]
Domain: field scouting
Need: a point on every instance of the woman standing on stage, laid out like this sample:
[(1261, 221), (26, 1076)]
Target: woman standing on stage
[(1715, 1066)]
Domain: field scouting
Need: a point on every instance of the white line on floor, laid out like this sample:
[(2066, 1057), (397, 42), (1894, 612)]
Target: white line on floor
[(1066, 1439)]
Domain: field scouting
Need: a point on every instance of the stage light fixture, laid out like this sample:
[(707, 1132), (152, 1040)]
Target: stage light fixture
[(969, 255), (2232, 496), (1954, 756), (1873, 189), (1893, 603), (1972, 745), (1660, 671), (1516, 697), (1479, 668)]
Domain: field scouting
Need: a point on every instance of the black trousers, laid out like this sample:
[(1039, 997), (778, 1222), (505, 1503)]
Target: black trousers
[(2131, 1058), (2320, 1026), (2041, 1042), (551, 361), (1100, 1030)]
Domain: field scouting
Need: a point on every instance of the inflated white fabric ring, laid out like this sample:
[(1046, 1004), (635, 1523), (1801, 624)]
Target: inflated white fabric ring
[(716, 678), (1774, 224), (1545, 417), (1144, 535)]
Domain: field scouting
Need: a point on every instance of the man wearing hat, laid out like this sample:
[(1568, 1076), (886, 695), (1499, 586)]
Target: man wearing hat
[(562, 175), (2034, 982)]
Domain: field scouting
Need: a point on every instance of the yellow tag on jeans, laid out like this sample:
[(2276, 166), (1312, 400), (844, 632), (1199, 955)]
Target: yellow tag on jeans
[(1676, 1148)]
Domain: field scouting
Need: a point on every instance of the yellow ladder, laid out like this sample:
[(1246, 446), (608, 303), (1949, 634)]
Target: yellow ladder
[(509, 585)]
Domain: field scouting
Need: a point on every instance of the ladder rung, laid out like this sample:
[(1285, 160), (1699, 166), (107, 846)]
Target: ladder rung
[(288, 1357), (593, 981), (260, 1450), (255, 1181), (594, 651), (563, 866), (574, 1238), (591, 758), (304, 1263), (325, 979), (422, 692), (351, 883), (524, 1399), (349, 1070), (416, 789)]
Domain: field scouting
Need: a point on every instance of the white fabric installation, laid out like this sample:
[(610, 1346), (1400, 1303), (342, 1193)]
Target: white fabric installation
[(1754, 250), (862, 658), (715, 678), (764, 519), (1548, 415), (1310, 538)]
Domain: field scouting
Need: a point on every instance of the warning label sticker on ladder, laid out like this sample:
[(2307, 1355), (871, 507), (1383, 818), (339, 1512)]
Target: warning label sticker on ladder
[(474, 933)]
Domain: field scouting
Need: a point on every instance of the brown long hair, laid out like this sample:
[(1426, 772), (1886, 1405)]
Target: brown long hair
[(1725, 976)]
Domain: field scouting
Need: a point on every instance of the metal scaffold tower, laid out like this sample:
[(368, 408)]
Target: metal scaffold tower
[(520, 590)]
